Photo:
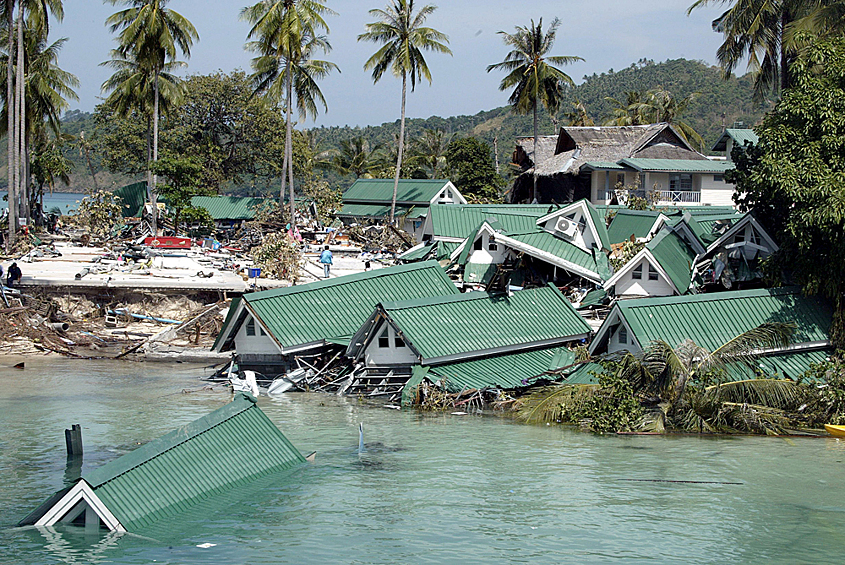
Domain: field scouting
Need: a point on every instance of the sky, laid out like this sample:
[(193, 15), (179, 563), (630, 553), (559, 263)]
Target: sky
[(608, 34)]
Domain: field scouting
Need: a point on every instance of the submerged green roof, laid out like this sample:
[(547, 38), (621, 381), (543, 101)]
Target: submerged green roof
[(470, 324), (311, 313), (228, 448), (503, 371), (710, 320), (380, 191), (229, 207), (458, 221), (675, 257)]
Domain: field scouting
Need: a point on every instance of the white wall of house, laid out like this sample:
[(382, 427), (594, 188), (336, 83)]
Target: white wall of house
[(643, 280), (251, 338), (603, 181), (387, 349), (414, 228), (621, 339), (716, 191), (583, 237), (447, 196)]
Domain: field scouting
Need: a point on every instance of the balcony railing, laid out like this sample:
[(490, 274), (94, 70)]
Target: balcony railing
[(678, 196), (661, 196)]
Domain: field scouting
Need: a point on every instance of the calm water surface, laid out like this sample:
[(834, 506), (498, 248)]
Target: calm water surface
[(429, 489)]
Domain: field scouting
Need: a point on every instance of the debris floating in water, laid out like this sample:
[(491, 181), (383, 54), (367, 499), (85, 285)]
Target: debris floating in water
[(206, 545), (683, 482)]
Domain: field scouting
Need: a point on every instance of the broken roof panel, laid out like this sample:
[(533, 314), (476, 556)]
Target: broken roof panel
[(458, 221), (631, 222), (541, 242), (218, 452), (309, 314)]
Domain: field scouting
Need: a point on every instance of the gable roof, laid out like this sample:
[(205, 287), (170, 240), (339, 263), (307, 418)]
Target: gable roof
[(712, 319), (457, 221), (670, 254), (631, 222), (410, 191), (229, 207), (477, 324), (380, 211), (309, 314), (574, 146), (542, 245), (197, 461), (717, 241), (595, 220), (739, 137)]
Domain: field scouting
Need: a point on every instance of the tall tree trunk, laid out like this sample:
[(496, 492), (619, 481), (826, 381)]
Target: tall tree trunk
[(289, 140), (153, 193), (287, 137), (27, 175), (19, 111), (533, 194), (11, 140), (401, 149)]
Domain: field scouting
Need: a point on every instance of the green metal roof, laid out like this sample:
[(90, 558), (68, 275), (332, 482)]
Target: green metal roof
[(335, 308), (583, 374), (600, 223), (132, 199), (739, 137), (381, 211), (229, 207), (503, 371), (710, 320), (227, 448), (410, 191), (631, 222), (603, 165), (595, 297), (458, 221), (675, 257), (543, 241), (679, 165), (788, 365), (420, 254), (476, 322)]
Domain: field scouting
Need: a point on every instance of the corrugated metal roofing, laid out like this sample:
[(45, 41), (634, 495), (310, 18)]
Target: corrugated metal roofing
[(710, 320), (679, 165), (229, 447), (229, 207), (675, 257), (544, 241), (419, 254), (790, 365), (600, 222), (603, 165), (631, 222), (417, 191), (476, 322), (132, 199), (503, 371), (381, 210), (459, 221), (739, 136), (336, 308)]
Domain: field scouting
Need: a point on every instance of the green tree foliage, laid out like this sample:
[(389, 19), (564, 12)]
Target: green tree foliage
[(182, 178), (469, 165), (794, 179), (427, 152), (357, 157), (403, 37), (99, 212)]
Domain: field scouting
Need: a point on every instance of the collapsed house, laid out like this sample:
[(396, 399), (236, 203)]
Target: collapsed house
[(473, 340), (267, 329), (229, 212), (568, 246), (711, 320), (371, 199), (640, 225), (162, 479), (608, 164)]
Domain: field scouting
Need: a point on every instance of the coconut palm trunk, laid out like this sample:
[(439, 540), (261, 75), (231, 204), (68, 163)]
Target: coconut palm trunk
[(153, 194), (401, 148), (289, 141), (19, 111), (10, 123), (533, 194)]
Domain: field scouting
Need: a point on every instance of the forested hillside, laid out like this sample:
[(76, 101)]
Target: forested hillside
[(718, 102)]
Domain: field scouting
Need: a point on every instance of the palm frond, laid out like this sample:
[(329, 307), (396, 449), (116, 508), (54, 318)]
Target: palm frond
[(551, 404)]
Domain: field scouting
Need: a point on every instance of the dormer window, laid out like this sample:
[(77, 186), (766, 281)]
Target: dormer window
[(384, 340), (652, 274), (478, 245), (623, 335), (637, 273), (250, 327)]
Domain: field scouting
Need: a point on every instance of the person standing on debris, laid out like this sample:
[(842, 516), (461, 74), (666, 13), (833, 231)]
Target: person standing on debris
[(14, 277), (326, 260)]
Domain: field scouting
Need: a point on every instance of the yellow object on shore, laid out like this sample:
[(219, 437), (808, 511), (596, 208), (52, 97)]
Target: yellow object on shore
[(835, 431)]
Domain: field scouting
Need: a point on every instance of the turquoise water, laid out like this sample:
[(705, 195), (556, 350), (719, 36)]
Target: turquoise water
[(64, 201), (431, 488)]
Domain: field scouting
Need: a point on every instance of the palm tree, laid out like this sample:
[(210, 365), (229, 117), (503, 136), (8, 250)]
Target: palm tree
[(357, 157), (152, 35), (578, 115), (286, 69), (403, 37), (628, 112), (661, 107), (428, 152), (757, 30), (533, 75), (661, 377)]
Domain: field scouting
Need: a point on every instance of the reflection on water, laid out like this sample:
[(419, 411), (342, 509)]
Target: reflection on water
[(426, 488)]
